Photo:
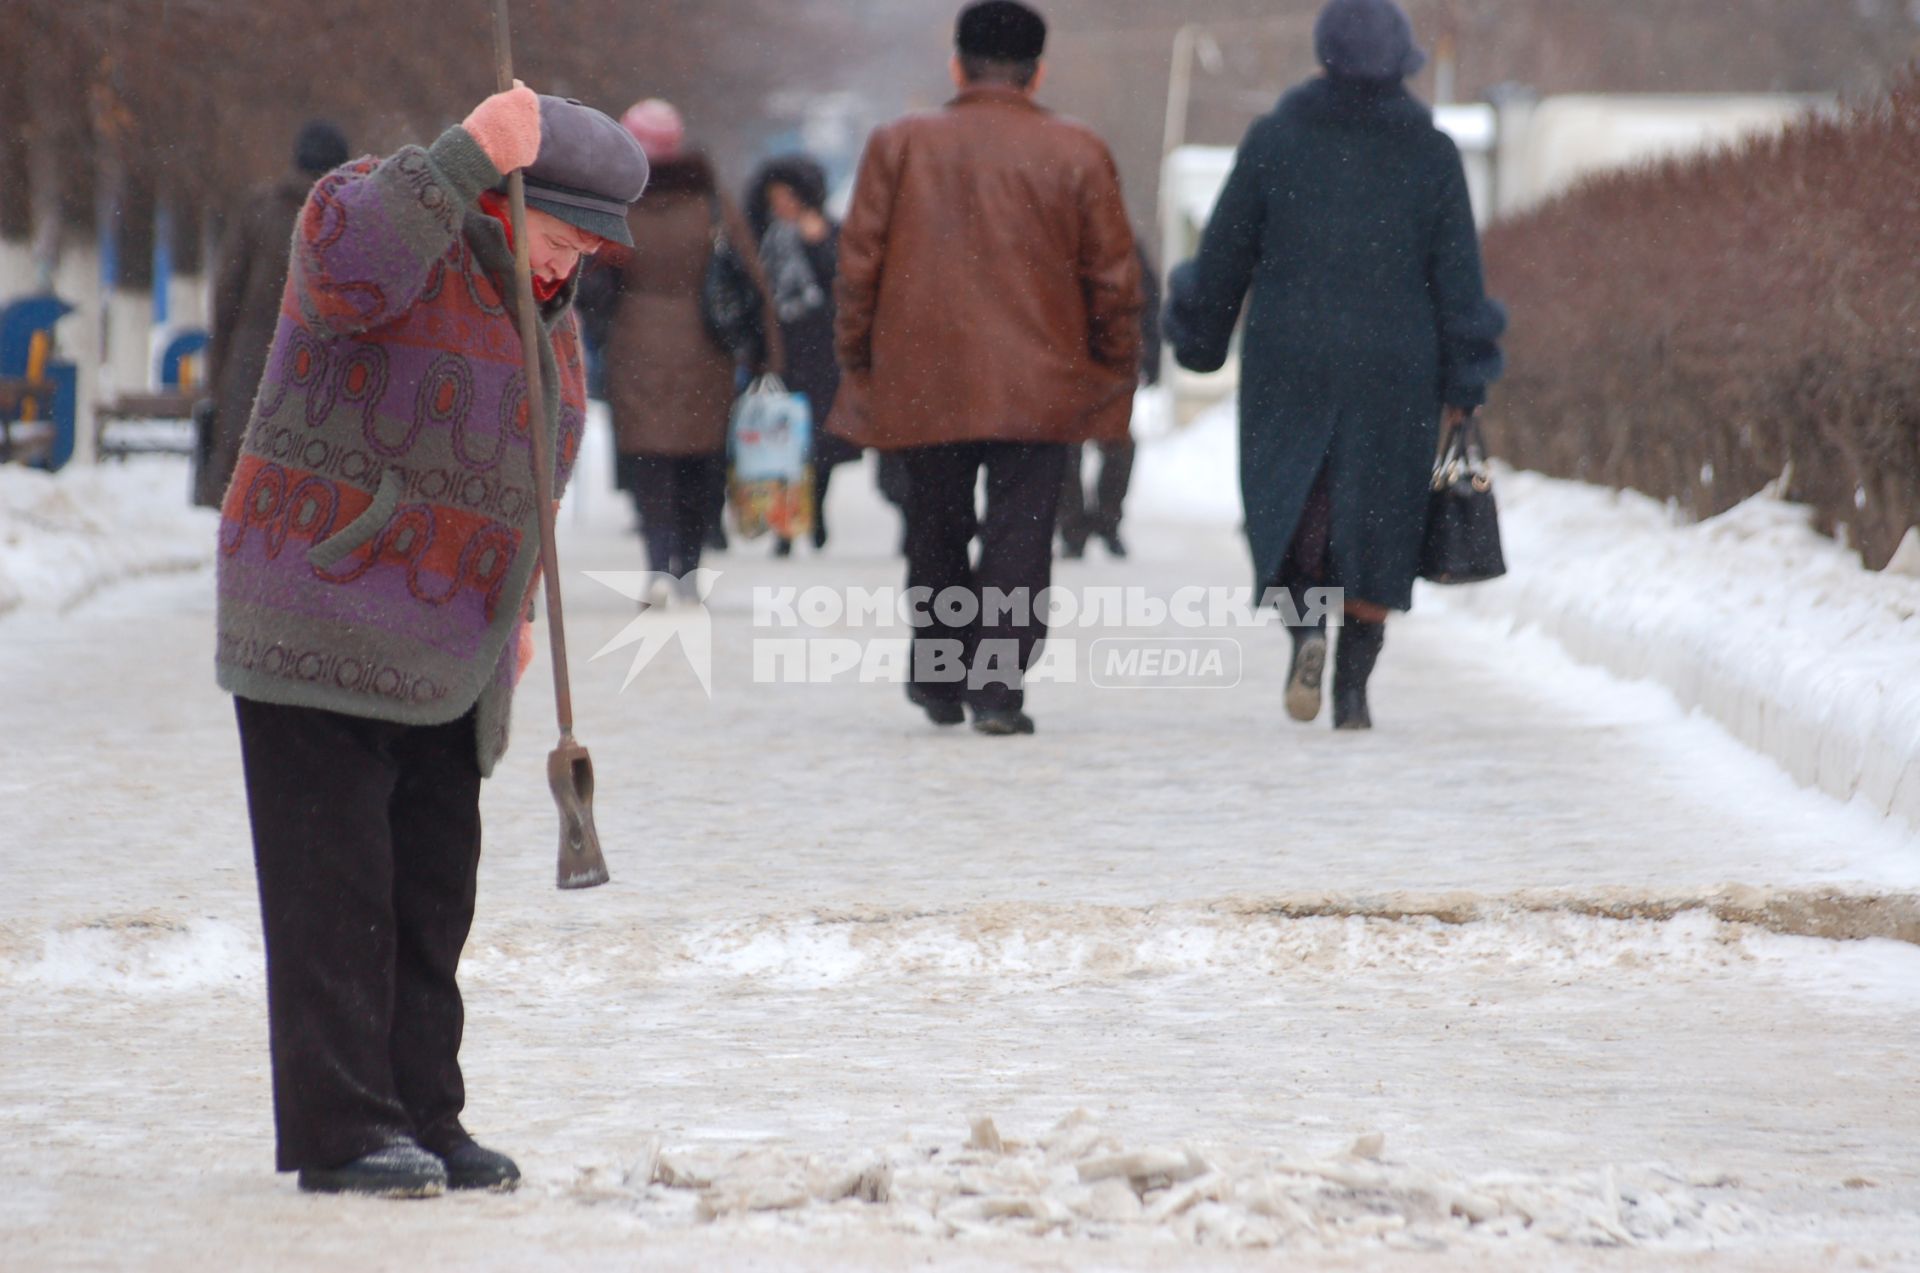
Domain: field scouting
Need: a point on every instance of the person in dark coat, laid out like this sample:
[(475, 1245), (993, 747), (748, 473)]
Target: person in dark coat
[(670, 386), (1081, 518), (800, 255), (1346, 216), (246, 299)]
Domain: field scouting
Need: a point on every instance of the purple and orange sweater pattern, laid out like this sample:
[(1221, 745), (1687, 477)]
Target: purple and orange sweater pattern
[(379, 540)]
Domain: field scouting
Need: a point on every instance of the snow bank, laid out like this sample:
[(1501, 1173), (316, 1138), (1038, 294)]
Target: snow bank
[(1752, 618), (65, 536)]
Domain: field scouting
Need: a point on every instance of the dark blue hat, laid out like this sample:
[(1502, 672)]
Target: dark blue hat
[(1001, 31), (1366, 40)]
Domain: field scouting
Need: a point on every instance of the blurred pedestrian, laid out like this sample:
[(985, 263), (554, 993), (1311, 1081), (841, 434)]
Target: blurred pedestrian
[(247, 286), (1082, 518), (1347, 217), (377, 556), (670, 383), (800, 254), (989, 315)]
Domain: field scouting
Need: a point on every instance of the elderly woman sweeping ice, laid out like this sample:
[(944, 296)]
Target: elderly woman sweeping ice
[(1346, 214), (377, 553)]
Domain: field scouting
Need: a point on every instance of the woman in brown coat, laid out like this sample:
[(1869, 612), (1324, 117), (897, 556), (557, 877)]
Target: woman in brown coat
[(671, 387)]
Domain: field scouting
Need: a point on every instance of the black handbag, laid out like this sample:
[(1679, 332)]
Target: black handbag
[(730, 302), (1462, 543)]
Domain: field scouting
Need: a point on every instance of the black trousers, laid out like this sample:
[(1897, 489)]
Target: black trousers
[(366, 839), (1016, 556), (678, 499), (1078, 519)]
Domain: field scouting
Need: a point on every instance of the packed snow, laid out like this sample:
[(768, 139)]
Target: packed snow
[(1538, 975), (1751, 617)]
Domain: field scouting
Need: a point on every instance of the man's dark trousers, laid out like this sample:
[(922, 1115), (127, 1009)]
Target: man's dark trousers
[(1077, 521), (1016, 557), (366, 837)]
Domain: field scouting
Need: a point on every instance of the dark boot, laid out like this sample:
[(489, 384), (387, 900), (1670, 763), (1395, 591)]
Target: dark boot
[(1304, 675), (401, 1170), (471, 1165), (1353, 661)]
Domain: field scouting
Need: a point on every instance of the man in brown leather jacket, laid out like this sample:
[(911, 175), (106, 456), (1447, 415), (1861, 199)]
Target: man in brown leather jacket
[(989, 299)]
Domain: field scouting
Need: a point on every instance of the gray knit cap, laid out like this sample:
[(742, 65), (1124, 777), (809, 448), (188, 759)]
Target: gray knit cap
[(590, 169), (1366, 40)]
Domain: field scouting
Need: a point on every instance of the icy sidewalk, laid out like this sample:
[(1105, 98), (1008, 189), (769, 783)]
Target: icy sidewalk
[(1338, 1000), (1752, 618)]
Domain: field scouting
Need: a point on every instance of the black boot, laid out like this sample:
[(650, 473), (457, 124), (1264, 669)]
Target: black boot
[(1353, 662), (400, 1170), (1305, 672), (1309, 665), (471, 1165)]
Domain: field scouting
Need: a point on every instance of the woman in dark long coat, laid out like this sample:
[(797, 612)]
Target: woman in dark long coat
[(1347, 217), (800, 254)]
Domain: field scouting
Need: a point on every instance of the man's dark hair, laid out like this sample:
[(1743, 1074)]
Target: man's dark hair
[(987, 70), (320, 148)]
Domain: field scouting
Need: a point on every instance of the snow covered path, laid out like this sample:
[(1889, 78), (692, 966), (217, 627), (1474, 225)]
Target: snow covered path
[(836, 935)]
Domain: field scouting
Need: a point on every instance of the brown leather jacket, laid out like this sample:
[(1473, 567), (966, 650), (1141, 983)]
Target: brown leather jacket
[(988, 288)]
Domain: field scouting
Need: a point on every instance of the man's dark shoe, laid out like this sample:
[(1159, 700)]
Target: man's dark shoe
[(471, 1165), (782, 547), (1001, 721), (716, 538), (1072, 548), (400, 1170), (941, 711), (1115, 549)]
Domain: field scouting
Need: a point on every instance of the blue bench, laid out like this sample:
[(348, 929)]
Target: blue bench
[(39, 393)]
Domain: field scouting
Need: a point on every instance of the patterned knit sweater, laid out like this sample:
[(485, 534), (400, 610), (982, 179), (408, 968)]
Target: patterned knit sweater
[(379, 540)]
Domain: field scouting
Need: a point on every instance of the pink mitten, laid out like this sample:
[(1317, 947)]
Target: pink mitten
[(507, 127)]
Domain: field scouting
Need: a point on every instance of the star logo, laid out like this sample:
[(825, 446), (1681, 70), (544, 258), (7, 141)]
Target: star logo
[(672, 608)]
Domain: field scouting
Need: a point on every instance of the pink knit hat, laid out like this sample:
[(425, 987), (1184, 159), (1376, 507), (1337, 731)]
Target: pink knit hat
[(657, 126)]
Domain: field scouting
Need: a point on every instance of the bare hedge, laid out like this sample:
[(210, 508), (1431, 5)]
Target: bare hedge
[(1695, 329)]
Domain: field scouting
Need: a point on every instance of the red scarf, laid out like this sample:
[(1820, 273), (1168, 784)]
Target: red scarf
[(495, 206)]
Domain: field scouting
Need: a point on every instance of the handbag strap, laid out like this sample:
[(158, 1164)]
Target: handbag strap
[(1463, 453)]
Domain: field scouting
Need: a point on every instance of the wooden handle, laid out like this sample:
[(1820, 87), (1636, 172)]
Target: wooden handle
[(537, 432)]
